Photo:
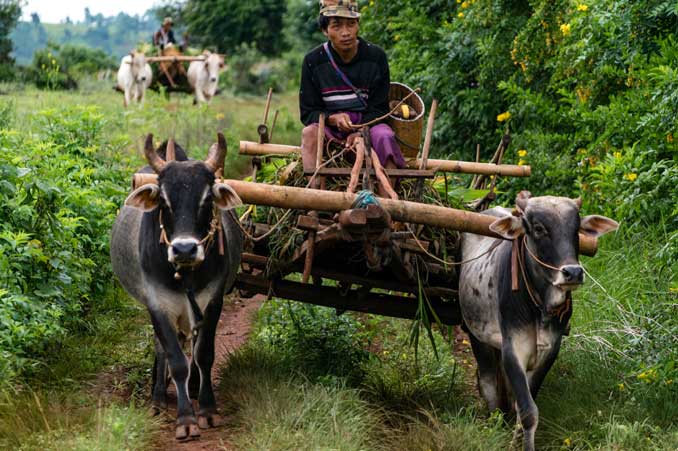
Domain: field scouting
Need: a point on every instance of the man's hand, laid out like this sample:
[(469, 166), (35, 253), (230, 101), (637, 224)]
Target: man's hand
[(342, 121)]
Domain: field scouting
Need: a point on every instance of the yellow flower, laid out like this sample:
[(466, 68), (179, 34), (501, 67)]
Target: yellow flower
[(669, 138), (522, 153), (673, 289), (465, 342), (459, 1), (620, 386), (465, 5), (617, 154), (631, 177), (521, 163), (567, 442), (669, 382), (460, 15), (503, 117), (220, 116), (396, 37), (565, 29), (582, 7)]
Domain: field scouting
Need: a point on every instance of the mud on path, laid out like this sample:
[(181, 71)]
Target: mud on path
[(234, 328)]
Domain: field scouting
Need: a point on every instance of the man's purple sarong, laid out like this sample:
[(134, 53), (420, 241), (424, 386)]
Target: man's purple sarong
[(383, 140)]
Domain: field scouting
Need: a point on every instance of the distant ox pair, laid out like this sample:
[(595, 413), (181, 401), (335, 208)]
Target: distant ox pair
[(176, 248), (135, 76), (516, 299)]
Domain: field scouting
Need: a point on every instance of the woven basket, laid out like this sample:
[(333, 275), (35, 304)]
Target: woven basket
[(408, 131)]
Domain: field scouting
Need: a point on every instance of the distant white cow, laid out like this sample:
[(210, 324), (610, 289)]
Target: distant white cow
[(134, 76), (203, 76)]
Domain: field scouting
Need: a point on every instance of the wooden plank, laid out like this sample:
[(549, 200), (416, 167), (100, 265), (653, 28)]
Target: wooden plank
[(346, 172), (374, 303)]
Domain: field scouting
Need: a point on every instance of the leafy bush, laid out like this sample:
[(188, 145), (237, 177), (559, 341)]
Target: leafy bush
[(57, 67), (318, 343), (251, 73), (58, 198), (588, 90)]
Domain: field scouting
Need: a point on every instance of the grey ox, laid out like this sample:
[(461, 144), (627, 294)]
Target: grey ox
[(176, 248), (516, 298)]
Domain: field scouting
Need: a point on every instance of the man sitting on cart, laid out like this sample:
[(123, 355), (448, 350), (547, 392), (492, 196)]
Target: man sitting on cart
[(164, 37), (348, 79)]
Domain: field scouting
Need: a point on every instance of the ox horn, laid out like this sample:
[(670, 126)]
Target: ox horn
[(170, 153), (217, 154), (152, 157)]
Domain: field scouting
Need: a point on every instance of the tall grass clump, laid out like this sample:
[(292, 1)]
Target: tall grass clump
[(30, 422)]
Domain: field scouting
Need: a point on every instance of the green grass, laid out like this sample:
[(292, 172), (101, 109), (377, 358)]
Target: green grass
[(87, 392), (309, 380), (618, 332)]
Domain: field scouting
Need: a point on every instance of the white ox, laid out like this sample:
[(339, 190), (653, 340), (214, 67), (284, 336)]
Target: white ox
[(134, 76), (203, 76)]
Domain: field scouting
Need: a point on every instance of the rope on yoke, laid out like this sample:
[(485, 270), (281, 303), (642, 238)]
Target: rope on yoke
[(364, 199)]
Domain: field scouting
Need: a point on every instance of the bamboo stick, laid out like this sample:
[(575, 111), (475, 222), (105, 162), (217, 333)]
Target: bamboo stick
[(463, 167), (173, 59), (429, 135), (268, 105), (400, 210)]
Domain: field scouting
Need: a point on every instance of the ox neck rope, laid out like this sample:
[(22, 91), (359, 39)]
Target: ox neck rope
[(518, 249), (185, 273)]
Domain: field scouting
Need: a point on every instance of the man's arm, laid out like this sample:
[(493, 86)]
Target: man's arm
[(377, 104), (310, 100)]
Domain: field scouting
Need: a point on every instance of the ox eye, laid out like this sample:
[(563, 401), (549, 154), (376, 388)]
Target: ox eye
[(539, 230)]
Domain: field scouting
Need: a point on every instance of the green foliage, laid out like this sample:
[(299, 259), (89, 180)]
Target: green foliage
[(301, 25), (226, 24), (250, 72), (57, 200), (590, 88), (10, 11), (57, 67)]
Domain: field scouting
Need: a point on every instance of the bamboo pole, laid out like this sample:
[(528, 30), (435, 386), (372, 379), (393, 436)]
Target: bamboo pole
[(463, 167), (429, 135), (400, 210), (173, 59)]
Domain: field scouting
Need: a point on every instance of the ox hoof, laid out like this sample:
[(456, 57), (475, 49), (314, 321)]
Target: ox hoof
[(209, 421), (157, 408), (187, 432)]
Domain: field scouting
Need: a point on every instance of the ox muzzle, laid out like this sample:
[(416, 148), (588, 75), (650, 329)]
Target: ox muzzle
[(185, 251)]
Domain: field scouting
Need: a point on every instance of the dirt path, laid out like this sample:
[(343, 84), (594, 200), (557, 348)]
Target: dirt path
[(234, 328)]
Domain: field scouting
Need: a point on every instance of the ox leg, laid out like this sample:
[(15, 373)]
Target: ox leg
[(490, 375), (203, 354), (540, 373), (159, 393), (200, 96), (514, 360), (126, 97), (178, 365)]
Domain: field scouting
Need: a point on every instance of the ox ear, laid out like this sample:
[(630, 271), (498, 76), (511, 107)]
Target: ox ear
[(596, 226), (225, 197), (146, 198), (509, 227)]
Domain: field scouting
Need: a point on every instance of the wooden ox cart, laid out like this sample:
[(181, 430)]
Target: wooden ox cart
[(171, 72), (354, 252), (367, 256)]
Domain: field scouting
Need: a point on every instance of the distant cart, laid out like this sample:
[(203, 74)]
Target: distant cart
[(170, 70)]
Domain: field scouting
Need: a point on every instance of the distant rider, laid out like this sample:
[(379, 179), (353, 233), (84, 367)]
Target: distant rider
[(165, 35)]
